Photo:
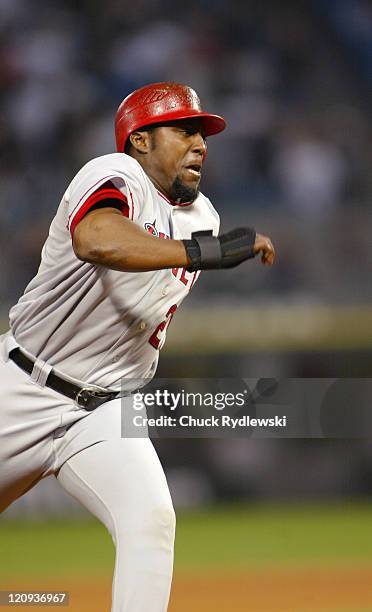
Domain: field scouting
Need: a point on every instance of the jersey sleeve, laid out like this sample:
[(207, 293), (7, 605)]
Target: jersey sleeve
[(100, 182)]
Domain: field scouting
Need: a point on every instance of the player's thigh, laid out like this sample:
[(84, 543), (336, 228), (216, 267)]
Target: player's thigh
[(122, 482), (16, 479), (26, 430)]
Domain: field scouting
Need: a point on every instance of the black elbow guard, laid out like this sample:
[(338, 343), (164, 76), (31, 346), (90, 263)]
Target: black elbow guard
[(207, 252)]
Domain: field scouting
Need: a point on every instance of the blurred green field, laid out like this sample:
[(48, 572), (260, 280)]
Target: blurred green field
[(220, 538)]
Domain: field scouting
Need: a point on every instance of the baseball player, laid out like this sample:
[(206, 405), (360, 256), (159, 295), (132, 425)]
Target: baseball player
[(127, 244)]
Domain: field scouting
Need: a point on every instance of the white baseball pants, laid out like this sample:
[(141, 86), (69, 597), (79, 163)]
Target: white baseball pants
[(120, 480)]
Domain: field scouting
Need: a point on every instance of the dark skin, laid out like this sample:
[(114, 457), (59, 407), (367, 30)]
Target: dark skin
[(172, 156)]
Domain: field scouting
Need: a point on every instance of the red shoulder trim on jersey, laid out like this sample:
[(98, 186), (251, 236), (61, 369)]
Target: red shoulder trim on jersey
[(103, 193), (89, 189)]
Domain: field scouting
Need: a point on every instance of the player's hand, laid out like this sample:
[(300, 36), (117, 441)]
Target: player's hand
[(264, 246)]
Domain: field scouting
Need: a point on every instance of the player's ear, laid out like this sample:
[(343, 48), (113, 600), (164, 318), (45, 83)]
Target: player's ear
[(141, 141)]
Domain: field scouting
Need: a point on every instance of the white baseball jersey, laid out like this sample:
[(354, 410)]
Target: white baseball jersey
[(97, 325)]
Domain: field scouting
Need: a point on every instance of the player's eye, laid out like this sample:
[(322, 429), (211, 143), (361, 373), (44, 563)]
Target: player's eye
[(190, 131)]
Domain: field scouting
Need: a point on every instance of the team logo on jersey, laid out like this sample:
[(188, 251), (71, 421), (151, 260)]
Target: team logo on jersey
[(152, 229)]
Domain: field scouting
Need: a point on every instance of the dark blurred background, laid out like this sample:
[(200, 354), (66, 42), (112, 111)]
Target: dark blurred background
[(293, 80)]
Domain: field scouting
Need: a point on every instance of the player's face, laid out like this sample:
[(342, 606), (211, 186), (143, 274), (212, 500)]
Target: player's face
[(176, 158)]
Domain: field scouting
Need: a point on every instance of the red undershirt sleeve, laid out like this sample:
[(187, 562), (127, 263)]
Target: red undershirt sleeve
[(105, 193)]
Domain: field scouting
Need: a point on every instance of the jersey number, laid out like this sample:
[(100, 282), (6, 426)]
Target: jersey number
[(184, 276), (157, 338)]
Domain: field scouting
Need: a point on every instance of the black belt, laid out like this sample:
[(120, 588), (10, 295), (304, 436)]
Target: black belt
[(85, 397)]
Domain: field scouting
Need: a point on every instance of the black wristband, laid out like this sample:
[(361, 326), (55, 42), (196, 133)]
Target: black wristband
[(207, 252)]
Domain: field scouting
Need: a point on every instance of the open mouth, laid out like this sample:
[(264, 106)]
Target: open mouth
[(194, 169)]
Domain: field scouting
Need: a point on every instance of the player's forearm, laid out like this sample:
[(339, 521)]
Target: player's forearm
[(115, 242)]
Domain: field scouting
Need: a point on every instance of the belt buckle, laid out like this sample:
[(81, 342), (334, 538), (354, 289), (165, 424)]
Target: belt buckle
[(85, 394)]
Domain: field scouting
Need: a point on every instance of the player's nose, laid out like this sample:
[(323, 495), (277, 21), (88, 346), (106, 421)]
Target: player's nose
[(199, 145)]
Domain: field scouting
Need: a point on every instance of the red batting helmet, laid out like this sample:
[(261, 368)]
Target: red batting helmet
[(159, 102)]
